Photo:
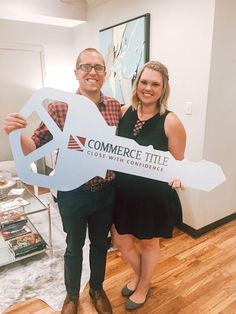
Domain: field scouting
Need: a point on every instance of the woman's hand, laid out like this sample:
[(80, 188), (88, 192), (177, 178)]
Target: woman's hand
[(176, 183)]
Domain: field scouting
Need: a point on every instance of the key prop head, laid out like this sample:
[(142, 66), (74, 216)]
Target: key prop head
[(73, 168)]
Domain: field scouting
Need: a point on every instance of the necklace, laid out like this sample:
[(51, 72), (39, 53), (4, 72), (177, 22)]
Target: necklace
[(142, 116)]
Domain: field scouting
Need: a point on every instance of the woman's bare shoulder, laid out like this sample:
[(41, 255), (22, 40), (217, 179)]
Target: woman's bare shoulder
[(124, 108), (172, 120)]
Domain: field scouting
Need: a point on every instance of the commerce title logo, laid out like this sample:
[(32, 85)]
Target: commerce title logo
[(131, 156)]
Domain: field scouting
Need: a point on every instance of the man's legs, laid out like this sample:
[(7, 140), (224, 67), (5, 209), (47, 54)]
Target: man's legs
[(74, 206), (75, 229), (79, 208), (98, 227)]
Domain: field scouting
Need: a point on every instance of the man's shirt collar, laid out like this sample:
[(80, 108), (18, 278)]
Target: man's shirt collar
[(101, 101)]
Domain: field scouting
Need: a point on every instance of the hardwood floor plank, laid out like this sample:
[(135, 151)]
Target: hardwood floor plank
[(230, 309), (32, 306)]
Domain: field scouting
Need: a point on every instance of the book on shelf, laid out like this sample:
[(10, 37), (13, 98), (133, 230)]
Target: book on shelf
[(12, 219), (13, 204), (16, 232), (27, 244)]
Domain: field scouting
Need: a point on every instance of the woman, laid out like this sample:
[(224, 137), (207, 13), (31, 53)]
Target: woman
[(147, 209)]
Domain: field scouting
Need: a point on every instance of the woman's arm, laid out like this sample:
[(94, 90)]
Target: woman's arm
[(176, 135)]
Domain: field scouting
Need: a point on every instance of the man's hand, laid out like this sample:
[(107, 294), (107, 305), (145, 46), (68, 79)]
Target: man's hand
[(176, 183), (14, 121)]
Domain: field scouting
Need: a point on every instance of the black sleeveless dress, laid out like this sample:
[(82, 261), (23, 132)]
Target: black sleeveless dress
[(145, 208)]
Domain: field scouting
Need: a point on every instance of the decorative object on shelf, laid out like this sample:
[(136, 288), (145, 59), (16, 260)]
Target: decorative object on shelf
[(2, 182), (16, 231), (27, 244), (8, 172), (6, 182), (15, 223), (125, 47), (11, 218), (13, 204)]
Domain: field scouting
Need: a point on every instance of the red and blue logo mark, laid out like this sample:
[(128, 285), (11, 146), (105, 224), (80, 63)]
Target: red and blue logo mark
[(76, 143)]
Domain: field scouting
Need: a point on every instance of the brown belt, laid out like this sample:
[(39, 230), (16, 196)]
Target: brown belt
[(95, 187)]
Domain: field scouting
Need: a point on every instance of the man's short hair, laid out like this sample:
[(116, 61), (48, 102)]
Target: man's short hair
[(78, 61)]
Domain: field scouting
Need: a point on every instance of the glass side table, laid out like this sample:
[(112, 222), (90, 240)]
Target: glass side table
[(34, 205)]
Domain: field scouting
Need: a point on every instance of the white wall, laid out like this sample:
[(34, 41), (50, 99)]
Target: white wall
[(58, 49), (220, 137)]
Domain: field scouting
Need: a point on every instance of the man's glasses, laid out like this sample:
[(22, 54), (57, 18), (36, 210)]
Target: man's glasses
[(89, 67)]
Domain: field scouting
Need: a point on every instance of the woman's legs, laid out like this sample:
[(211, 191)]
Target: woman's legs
[(143, 259), (130, 253), (150, 255)]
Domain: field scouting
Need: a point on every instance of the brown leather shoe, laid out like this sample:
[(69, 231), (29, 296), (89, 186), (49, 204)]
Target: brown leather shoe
[(70, 305), (100, 301)]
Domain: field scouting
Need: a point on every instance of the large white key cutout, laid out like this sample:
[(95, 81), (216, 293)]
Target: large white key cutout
[(99, 149)]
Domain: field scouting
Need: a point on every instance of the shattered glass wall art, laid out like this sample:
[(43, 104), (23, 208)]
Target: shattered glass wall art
[(125, 48)]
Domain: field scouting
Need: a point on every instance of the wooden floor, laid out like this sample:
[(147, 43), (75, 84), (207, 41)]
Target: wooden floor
[(33, 306), (195, 276)]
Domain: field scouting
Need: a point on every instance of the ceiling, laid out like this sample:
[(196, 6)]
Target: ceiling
[(66, 13)]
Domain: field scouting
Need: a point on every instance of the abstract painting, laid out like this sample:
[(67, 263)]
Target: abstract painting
[(125, 48)]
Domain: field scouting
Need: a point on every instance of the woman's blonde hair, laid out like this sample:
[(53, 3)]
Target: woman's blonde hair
[(162, 101)]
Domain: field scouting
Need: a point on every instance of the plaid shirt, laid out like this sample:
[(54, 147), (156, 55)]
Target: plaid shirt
[(110, 110)]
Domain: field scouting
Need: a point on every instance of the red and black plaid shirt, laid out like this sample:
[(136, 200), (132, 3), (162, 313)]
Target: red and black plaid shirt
[(110, 110)]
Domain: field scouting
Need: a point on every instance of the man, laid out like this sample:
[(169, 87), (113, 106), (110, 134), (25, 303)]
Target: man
[(91, 204)]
